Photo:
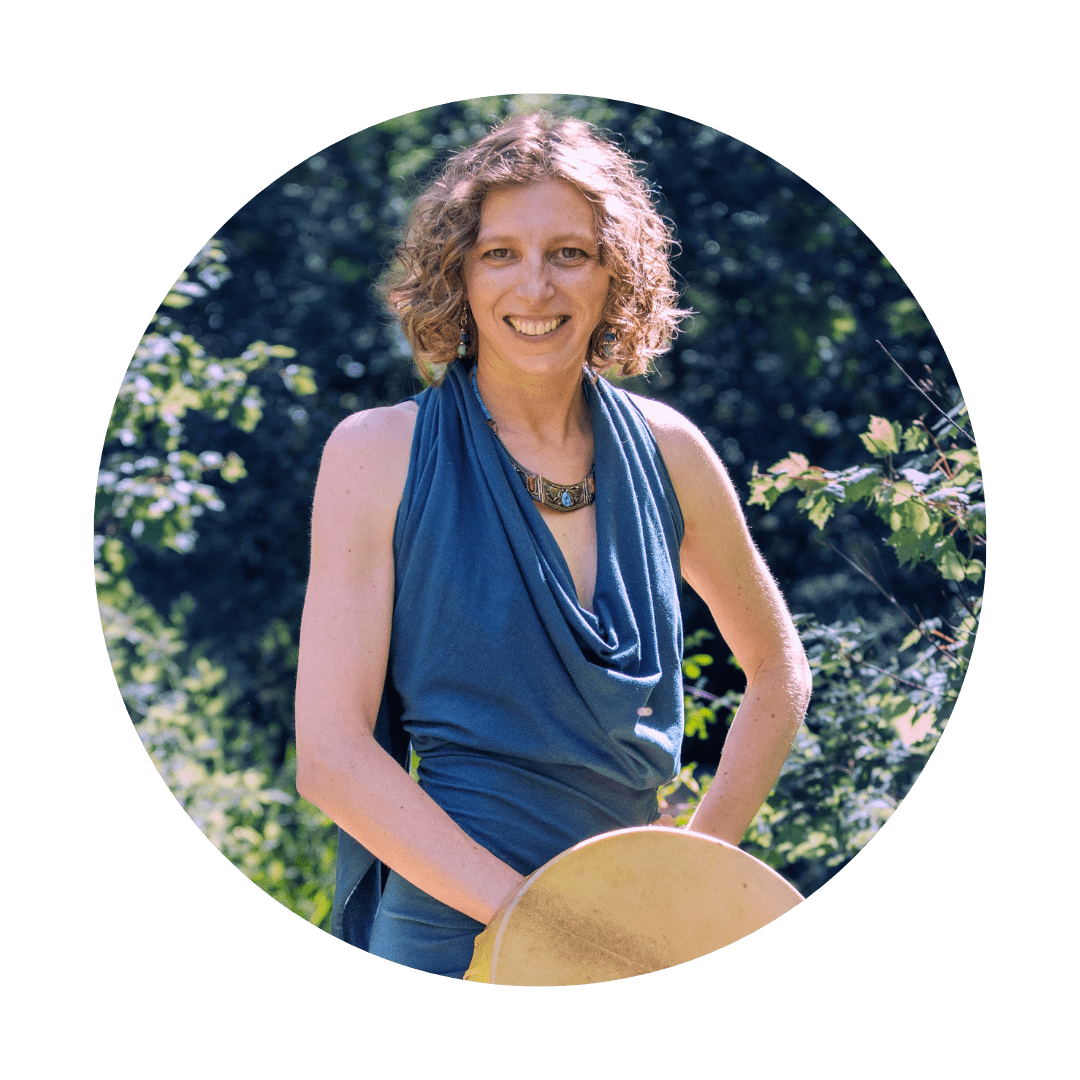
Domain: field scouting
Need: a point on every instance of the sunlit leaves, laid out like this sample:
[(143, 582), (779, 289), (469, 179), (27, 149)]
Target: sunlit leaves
[(913, 730), (299, 379), (916, 437), (872, 720), (150, 485), (171, 374), (181, 704), (881, 438), (699, 705), (692, 665), (210, 270), (181, 294), (152, 488), (926, 503), (864, 741), (685, 780)]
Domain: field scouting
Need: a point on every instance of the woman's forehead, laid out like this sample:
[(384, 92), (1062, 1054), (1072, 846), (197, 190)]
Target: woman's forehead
[(538, 204)]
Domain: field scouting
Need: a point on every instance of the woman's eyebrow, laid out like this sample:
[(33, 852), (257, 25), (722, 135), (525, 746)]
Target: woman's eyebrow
[(580, 239)]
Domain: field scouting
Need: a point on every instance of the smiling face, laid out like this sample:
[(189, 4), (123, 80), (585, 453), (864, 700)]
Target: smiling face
[(534, 280)]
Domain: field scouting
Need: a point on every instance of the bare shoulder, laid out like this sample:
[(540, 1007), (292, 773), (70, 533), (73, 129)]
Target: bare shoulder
[(366, 460), (377, 440), (689, 457), (375, 432)]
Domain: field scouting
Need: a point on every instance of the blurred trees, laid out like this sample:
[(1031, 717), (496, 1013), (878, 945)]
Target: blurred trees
[(202, 587), (152, 492)]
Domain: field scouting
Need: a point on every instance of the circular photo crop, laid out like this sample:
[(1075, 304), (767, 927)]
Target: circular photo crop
[(646, 497)]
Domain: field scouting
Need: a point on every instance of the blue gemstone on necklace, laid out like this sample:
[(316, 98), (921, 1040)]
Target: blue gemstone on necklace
[(566, 500)]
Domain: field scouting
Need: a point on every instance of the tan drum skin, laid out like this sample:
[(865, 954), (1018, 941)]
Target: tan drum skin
[(626, 903)]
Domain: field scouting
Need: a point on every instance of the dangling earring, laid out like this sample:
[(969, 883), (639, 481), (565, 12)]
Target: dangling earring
[(609, 345), (463, 348)]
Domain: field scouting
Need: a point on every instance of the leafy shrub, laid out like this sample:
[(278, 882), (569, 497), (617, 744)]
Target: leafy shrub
[(874, 717), (151, 492)]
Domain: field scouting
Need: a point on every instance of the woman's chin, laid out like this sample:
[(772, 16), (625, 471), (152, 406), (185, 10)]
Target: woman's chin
[(537, 357), (549, 365)]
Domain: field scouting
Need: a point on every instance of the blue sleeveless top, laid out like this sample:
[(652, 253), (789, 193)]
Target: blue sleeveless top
[(538, 723)]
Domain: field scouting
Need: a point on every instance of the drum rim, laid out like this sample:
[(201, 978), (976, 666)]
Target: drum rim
[(503, 915)]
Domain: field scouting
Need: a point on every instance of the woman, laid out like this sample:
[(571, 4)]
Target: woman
[(496, 563)]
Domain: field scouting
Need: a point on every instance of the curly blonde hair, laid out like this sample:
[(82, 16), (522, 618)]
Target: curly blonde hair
[(425, 285)]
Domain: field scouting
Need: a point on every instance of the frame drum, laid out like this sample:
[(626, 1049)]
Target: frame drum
[(625, 903)]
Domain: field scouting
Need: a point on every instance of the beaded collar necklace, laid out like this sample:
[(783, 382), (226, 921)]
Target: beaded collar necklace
[(563, 497)]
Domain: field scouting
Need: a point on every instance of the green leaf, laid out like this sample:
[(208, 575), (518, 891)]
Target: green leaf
[(692, 665), (819, 507), (913, 729), (233, 468), (860, 481), (299, 379), (950, 563), (881, 438), (793, 465), (914, 516), (698, 719), (916, 437), (763, 489)]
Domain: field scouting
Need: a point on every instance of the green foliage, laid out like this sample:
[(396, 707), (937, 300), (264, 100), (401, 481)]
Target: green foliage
[(700, 706), (150, 485), (151, 492), (932, 504), (867, 735), (872, 722), (873, 718)]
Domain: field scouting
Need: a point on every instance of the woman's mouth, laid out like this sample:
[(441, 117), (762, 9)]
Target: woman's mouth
[(536, 327)]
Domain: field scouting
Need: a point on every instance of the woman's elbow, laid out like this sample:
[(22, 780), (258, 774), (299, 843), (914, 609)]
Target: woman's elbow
[(802, 678), (307, 772), (328, 763), (805, 680), (313, 765), (788, 673)]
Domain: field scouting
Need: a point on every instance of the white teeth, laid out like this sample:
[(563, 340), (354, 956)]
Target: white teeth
[(535, 329)]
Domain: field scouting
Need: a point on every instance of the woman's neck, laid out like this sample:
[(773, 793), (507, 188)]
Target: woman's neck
[(544, 410)]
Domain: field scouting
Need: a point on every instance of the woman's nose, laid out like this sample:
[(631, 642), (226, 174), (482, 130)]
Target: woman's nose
[(534, 283)]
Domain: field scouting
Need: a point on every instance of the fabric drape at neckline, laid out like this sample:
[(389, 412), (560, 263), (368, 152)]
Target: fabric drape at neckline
[(538, 722)]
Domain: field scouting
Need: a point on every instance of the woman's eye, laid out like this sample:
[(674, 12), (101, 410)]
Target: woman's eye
[(497, 253), (570, 254)]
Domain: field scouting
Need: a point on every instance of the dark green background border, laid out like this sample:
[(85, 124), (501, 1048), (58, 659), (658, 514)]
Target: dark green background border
[(142, 129)]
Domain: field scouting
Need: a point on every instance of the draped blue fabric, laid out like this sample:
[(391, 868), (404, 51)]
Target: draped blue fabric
[(538, 723)]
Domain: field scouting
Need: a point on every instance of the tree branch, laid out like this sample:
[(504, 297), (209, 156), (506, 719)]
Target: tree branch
[(701, 693), (888, 596), (925, 394), (892, 675)]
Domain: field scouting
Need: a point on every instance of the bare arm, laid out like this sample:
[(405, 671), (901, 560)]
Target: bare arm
[(721, 563), (344, 647)]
